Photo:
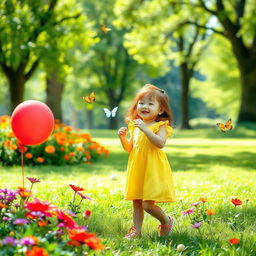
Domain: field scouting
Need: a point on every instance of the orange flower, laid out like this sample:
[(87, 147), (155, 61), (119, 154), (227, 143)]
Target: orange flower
[(28, 155), (210, 212), (3, 206), (36, 251), (67, 128), (13, 146), (204, 200), (72, 154), (50, 149), (42, 223), (40, 159), (7, 143), (236, 201), (234, 241), (10, 134), (66, 157), (80, 149), (4, 119)]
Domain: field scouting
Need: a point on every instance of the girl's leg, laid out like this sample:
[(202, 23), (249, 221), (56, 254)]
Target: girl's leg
[(154, 210), (138, 215)]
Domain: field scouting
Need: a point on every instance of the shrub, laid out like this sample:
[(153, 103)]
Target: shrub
[(64, 146)]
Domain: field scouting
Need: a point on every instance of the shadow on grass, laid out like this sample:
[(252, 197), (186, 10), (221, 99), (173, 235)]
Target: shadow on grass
[(201, 162)]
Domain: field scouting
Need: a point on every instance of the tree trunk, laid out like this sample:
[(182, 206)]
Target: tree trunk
[(113, 123), (54, 92), (185, 79), (89, 119), (247, 111), (74, 118), (16, 89)]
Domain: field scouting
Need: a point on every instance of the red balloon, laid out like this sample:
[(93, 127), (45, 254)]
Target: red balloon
[(32, 122)]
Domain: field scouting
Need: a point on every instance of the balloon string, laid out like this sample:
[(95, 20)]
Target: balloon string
[(22, 167)]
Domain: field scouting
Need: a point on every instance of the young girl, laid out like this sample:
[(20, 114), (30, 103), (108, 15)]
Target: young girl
[(149, 176)]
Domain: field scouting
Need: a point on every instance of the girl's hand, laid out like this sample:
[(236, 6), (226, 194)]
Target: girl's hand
[(122, 132), (139, 123)]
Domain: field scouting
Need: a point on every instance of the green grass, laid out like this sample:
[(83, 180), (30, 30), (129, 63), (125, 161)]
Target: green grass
[(205, 163)]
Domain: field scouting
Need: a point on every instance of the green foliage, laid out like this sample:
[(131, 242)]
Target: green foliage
[(221, 90)]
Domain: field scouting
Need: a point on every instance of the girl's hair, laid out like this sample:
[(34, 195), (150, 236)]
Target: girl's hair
[(156, 93)]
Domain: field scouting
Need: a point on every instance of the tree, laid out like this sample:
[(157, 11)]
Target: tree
[(25, 27), (108, 66), (237, 23), (160, 39)]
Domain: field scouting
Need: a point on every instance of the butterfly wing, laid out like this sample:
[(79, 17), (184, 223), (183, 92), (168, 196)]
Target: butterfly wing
[(113, 112), (228, 125), (107, 112), (87, 99), (105, 29), (222, 127), (92, 96)]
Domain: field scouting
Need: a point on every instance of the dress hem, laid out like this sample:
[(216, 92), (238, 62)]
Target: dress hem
[(156, 201)]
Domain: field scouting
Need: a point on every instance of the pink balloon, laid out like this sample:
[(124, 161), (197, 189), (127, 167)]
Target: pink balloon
[(32, 122)]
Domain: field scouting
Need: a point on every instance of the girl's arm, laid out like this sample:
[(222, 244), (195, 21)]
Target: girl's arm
[(158, 139), (127, 145)]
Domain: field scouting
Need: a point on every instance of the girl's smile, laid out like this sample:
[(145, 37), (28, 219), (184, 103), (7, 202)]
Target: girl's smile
[(148, 108)]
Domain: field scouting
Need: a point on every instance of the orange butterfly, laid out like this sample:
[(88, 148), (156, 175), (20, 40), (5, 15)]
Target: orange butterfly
[(90, 98), (225, 127), (105, 29)]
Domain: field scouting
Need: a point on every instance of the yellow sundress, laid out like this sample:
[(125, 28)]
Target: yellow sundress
[(149, 175)]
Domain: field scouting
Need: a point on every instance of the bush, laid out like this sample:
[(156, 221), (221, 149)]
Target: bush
[(64, 146)]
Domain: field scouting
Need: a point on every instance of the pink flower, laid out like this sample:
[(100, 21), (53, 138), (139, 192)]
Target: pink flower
[(189, 211), (196, 203), (20, 221), (28, 240), (33, 180), (83, 196), (197, 225)]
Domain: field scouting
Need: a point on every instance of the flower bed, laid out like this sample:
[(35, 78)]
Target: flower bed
[(30, 226), (64, 146)]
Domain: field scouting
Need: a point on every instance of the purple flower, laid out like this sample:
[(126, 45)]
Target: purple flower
[(196, 203), (197, 225), (189, 211), (27, 241), (9, 241), (6, 219), (20, 222)]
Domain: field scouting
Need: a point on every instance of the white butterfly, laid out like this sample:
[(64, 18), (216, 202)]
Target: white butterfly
[(110, 113)]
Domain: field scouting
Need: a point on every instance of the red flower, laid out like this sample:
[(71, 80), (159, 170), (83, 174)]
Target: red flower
[(236, 201), (36, 251), (65, 219), (87, 214), (234, 240), (76, 188), (43, 207), (80, 235)]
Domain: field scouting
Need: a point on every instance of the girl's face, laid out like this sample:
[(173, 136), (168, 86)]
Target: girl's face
[(148, 109)]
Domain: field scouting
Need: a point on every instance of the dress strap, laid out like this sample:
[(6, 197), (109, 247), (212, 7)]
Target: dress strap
[(157, 125)]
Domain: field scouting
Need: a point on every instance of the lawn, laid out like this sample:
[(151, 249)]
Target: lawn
[(206, 163)]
